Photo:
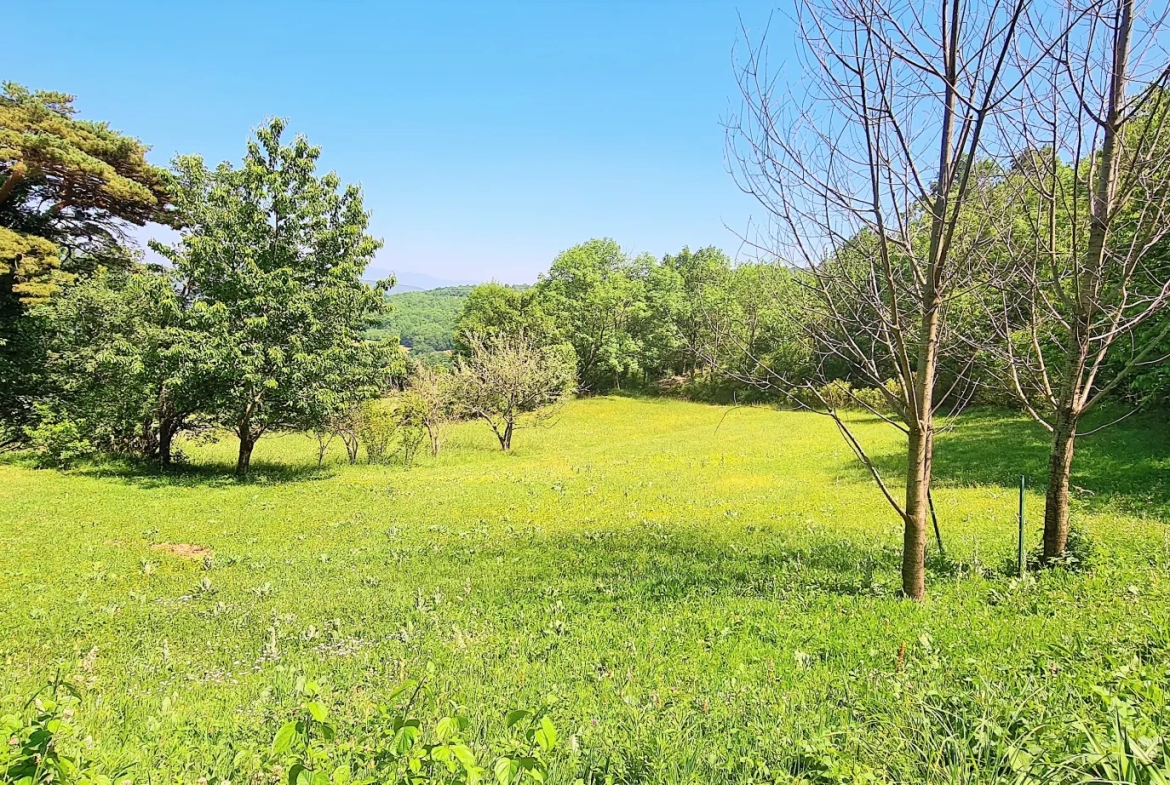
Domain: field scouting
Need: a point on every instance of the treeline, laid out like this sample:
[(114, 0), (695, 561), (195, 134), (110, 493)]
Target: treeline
[(258, 321), (255, 324), (699, 325), (691, 323)]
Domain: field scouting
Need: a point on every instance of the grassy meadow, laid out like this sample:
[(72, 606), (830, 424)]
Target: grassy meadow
[(696, 593)]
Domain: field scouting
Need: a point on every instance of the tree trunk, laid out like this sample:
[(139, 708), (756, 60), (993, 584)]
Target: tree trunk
[(166, 436), (351, 447), (247, 442), (1059, 469), (917, 508), (149, 442), (920, 448), (506, 437)]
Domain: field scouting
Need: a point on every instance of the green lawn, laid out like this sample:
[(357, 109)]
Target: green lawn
[(703, 594)]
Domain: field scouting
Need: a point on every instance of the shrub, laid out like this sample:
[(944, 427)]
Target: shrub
[(56, 440), (392, 747), (430, 402), (506, 377), (840, 394), (377, 427), (33, 752)]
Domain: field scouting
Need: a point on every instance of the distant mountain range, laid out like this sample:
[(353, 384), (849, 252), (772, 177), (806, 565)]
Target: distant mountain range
[(421, 282)]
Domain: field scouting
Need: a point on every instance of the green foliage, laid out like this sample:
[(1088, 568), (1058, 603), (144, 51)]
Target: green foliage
[(691, 323), (1079, 554), (300, 743), (494, 309), (124, 361), (273, 255), (411, 437), (390, 748), (68, 190), (56, 441), (840, 394), (424, 322), (377, 429), (400, 753), (596, 296), (34, 752)]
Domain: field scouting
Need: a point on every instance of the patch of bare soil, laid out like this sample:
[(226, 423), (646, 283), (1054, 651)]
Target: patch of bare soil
[(183, 550)]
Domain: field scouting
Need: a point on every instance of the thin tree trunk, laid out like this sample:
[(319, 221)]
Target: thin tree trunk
[(917, 509), (1059, 469), (506, 437), (920, 449), (351, 447), (244, 460)]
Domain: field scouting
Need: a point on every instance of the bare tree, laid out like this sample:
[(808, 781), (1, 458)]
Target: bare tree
[(431, 399), (1084, 228), (867, 180), (325, 436), (347, 424), (506, 377)]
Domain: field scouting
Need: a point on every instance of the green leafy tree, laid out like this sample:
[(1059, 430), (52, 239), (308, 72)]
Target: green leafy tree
[(492, 309), (272, 255), (68, 188), (683, 294), (124, 362), (596, 296)]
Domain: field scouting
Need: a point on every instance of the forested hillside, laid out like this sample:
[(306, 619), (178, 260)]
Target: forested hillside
[(428, 322), (423, 321)]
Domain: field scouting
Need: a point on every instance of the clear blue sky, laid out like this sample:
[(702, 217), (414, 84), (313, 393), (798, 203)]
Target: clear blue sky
[(487, 136)]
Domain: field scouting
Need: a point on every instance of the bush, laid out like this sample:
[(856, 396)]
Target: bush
[(56, 440), (377, 427), (33, 747), (840, 394)]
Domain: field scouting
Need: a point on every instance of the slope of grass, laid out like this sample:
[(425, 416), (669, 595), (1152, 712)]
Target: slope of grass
[(701, 594)]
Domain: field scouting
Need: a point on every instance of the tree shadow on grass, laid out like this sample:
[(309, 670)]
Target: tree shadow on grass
[(666, 563), (1124, 467), (149, 475)]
